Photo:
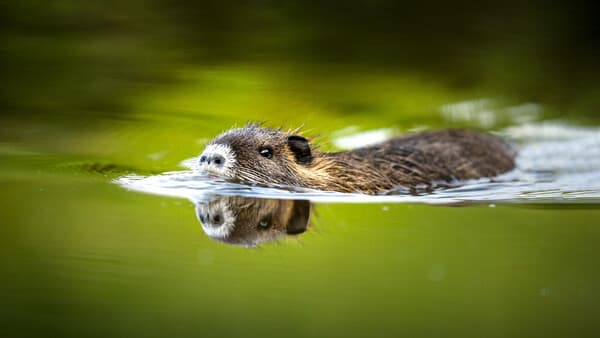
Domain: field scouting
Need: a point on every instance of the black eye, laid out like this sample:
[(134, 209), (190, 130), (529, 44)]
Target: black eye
[(265, 222), (203, 159), (266, 152)]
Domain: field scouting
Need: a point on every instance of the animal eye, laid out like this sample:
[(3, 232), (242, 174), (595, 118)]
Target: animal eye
[(265, 222), (266, 152)]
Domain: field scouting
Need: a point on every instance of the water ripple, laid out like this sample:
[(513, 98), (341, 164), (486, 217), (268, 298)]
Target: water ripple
[(557, 163)]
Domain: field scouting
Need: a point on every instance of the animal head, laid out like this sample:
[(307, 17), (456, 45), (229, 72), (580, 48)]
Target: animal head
[(250, 221), (256, 154)]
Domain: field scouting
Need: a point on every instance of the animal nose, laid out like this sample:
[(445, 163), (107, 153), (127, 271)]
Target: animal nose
[(214, 159)]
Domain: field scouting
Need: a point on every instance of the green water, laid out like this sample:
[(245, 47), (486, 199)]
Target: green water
[(81, 256), (95, 93)]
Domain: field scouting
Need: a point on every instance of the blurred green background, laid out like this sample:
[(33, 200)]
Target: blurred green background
[(96, 90)]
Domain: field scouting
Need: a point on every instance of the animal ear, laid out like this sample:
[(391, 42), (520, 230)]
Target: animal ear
[(301, 149)]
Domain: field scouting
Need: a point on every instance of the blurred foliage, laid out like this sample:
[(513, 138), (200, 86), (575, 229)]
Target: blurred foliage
[(73, 60)]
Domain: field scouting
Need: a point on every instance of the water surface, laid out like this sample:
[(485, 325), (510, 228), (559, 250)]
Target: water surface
[(82, 256), (556, 163)]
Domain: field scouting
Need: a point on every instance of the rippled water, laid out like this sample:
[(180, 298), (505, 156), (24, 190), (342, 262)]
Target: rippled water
[(83, 256), (556, 163)]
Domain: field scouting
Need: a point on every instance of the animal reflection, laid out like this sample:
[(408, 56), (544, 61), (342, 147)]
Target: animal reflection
[(249, 221)]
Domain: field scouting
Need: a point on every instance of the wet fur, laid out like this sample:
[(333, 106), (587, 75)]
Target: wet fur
[(412, 161)]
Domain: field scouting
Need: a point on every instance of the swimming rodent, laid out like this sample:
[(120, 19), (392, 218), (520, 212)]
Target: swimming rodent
[(261, 155), (250, 221)]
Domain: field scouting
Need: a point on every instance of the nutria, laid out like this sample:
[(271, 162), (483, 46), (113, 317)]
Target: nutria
[(250, 221), (261, 155)]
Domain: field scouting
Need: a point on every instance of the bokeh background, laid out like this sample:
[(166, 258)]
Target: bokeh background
[(95, 90), (68, 61)]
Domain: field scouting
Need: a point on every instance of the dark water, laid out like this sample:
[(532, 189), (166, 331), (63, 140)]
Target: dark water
[(108, 231)]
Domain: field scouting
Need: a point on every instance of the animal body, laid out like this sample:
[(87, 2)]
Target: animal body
[(261, 155)]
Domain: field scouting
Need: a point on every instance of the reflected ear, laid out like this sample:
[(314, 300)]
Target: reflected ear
[(300, 217), (301, 149)]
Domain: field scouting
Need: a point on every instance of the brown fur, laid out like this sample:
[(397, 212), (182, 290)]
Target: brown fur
[(414, 161)]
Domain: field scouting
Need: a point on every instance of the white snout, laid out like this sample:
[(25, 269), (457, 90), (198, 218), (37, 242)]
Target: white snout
[(218, 159), (216, 219)]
